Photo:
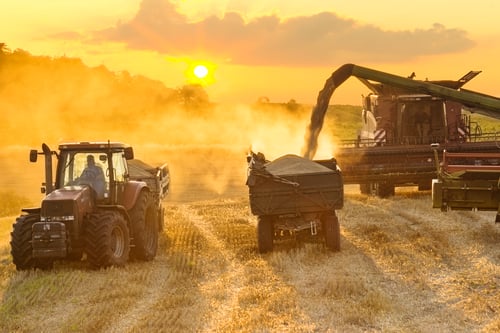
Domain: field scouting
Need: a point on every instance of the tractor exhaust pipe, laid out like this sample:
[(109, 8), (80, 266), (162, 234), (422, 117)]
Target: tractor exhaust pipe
[(48, 168)]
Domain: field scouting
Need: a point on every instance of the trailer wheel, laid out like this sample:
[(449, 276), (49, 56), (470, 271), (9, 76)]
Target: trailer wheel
[(145, 228), (265, 234), (331, 229), (107, 240), (161, 217), (20, 243)]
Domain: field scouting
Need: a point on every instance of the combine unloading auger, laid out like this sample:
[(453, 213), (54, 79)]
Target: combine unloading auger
[(448, 90)]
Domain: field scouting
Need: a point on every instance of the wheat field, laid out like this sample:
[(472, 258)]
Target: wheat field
[(403, 267)]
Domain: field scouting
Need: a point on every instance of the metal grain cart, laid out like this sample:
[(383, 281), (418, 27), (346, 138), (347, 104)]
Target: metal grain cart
[(293, 195), (467, 181)]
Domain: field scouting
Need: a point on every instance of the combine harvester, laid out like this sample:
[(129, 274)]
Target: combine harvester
[(401, 117), (467, 181)]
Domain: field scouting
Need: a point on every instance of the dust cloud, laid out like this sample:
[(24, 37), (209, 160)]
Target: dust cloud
[(205, 150), (45, 100)]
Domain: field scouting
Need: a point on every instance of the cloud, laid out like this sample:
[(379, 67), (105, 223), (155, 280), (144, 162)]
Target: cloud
[(269, 40)]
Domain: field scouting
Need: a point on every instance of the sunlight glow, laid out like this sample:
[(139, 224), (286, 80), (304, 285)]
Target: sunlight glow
[(200, 71)]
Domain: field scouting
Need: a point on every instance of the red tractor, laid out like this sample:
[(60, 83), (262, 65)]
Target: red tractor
[(103, 204)]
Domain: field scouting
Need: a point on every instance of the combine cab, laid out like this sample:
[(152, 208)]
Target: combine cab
[(401, 116), (467, 181)]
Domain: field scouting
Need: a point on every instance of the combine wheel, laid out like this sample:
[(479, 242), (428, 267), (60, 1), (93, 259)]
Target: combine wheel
[(384, 190), (107, 240), (20, 243), (145, 228), (425, 186), (331, 229), (265, 234), (365, 188)]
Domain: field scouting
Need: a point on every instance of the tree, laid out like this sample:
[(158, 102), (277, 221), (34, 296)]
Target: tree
[(193, 96), (292, 105), (3, 48)]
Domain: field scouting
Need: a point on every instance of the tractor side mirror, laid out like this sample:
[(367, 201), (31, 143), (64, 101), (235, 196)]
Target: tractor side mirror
[(129, 153), (33, 155)]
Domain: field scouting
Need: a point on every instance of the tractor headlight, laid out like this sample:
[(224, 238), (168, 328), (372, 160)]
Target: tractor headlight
[(57, 218)]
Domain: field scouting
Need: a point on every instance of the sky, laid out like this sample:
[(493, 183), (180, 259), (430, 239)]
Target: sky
[(277, 49)]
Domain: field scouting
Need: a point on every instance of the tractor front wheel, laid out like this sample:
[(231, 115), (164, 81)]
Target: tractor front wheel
[(20, 242), (107, 239)]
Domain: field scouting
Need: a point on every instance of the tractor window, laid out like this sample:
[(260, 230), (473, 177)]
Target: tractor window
[(85, 168), (120, 167)]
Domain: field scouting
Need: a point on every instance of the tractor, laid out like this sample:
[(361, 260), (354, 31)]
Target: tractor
[(103, 205)]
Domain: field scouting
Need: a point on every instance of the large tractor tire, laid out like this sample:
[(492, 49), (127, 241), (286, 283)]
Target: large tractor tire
[(107, 239), (145, 228), (331, 230), (20, 244), (265, 234)]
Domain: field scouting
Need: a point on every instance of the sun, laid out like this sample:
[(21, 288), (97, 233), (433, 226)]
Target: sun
[(200, 71)]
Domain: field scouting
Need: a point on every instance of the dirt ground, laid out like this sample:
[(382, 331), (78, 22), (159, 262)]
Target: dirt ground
[(403, 267)]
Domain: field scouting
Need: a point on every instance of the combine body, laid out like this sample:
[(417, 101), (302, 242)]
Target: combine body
[(467, 181), (294, 197), (109, 209), (401, 117)]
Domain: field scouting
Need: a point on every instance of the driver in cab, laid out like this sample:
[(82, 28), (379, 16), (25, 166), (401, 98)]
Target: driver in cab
[(94, 176)]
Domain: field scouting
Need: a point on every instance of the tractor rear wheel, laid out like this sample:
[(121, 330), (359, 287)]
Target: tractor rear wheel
[(145, 228), (107, 239), (265, 234), (331, 230), (20, 243)]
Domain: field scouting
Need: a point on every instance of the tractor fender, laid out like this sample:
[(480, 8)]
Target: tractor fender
[(117, 208), (131, 193)]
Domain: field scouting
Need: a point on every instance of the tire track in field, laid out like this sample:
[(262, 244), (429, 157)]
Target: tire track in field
[(424, 248), (231, 275), (160, 274)]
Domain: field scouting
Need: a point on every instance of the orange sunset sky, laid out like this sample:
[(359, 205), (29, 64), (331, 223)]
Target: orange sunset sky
[(279, 49)]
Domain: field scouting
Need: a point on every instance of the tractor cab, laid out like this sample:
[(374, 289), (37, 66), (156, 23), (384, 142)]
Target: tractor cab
[(100, 166)]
